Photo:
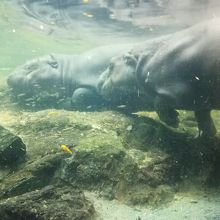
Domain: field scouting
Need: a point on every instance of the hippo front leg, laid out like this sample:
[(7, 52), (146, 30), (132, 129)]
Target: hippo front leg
[(84, 98), (205, 123), (164, 108)]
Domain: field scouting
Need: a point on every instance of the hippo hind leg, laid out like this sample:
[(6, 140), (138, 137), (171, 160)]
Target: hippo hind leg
[(205, 123), (166, 112)]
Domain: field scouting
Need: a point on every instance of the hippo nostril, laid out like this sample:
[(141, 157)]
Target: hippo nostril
[(15, 81)]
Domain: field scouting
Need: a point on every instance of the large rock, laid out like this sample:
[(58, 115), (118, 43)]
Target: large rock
[(60, 202), (139, 160), (12, 149)]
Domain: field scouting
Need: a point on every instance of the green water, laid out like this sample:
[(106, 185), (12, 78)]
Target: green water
[(20, 43)]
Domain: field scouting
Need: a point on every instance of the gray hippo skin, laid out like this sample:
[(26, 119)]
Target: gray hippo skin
[(118, 85), (179, 71), (63, 77)]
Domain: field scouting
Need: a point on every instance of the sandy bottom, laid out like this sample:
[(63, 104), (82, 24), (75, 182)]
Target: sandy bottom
[(187, 207)]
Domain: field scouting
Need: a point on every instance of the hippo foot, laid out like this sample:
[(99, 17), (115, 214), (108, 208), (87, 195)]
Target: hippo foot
[(170, 117), (210, 133), (85, 98), (205, 124), (166, 113)]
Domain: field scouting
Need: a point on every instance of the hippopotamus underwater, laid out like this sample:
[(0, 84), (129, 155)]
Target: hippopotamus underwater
[(68, 80), (176, 72)]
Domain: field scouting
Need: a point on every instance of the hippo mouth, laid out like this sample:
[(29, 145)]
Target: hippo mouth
[(105, 89), (114, 93), (17, 82)]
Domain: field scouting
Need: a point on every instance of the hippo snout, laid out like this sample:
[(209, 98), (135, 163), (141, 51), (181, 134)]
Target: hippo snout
[(16, 82), (11, 81)]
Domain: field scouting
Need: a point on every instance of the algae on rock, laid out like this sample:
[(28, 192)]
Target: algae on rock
[(142, 165)]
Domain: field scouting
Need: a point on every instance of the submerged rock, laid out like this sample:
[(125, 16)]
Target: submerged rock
[(33, 176), (50, 202), (122, 175), (144, 165), (12, 148)]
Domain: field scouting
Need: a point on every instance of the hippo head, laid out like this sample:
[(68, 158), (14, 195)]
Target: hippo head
[(34, 75), (117, 83)]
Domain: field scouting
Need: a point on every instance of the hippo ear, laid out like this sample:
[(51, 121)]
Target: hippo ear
[(130, 59), (53, 62)]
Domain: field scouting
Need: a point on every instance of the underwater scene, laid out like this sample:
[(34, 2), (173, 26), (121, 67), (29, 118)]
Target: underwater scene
[(109, 109)]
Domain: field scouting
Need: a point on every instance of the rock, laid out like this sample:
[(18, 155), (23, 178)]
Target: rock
[(96, 168), (117, 174), (12, 149), (141, 166), (152, 196), (60, 202), (173, 154), (35, 175)]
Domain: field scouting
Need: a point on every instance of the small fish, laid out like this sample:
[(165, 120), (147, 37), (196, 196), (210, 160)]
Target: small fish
[(88, 15), (121, 106), (21, 94), (29, 99), (66, 148)]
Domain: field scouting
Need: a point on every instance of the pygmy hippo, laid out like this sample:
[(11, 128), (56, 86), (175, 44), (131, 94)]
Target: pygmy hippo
[(58, 77), (176, 72)]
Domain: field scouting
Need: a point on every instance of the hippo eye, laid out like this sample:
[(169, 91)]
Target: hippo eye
[(130, 59), (53, 64)]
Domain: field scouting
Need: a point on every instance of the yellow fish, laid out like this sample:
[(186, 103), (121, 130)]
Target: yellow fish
[(66, 148), (85, 1)]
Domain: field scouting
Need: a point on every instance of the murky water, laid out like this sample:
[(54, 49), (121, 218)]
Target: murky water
[(134, 160)]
